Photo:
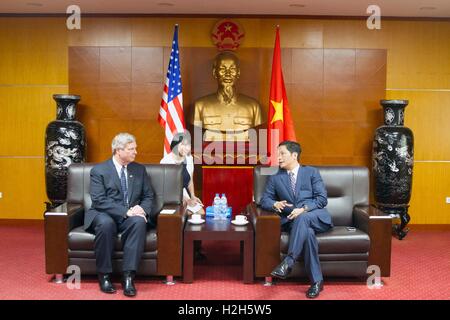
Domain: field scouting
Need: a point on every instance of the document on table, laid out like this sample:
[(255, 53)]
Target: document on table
[(195, 208), (168, 211)]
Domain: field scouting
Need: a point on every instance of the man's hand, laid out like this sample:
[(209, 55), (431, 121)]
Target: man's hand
[(137, 211), (295, 213), (280, 205)]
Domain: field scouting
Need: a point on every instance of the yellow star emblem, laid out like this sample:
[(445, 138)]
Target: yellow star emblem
[(228, 27), (278, 106)]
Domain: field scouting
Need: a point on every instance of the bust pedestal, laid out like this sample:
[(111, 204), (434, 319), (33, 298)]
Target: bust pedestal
[(227, 167)]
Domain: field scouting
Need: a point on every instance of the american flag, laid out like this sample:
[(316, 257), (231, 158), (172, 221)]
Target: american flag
[(171, 116)]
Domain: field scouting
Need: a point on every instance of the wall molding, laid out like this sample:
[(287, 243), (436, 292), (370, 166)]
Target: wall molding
[(427, 90), (432, 161), (21, 157), (236, 16)]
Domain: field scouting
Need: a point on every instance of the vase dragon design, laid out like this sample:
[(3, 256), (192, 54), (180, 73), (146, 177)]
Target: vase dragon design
[(393, 160), (64, 145)]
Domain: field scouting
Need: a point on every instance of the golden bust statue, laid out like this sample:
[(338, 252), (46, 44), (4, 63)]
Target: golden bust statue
[(226, 110)]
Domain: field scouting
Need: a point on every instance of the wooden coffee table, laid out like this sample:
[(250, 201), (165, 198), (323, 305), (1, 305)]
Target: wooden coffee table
[(217, 230)]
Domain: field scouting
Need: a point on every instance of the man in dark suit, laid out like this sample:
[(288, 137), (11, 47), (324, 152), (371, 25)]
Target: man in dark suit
[(298, 194), (121, 203)]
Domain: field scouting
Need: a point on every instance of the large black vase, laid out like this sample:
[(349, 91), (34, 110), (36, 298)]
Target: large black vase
[(64, 145), (393, 159)]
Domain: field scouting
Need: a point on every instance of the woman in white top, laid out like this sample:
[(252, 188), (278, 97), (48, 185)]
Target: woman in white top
[(181, 154)]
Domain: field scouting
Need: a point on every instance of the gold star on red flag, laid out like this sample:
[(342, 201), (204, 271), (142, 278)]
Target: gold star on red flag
[(278, 106)]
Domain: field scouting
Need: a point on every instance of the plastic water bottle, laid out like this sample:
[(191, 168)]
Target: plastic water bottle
[(216, 207), (223, 207)]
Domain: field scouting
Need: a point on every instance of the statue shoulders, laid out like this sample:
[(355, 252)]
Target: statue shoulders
[(243, 98), (205, 101)]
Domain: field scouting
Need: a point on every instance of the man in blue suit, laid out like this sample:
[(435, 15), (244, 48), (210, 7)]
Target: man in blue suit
[(122, 202), (298, 195)]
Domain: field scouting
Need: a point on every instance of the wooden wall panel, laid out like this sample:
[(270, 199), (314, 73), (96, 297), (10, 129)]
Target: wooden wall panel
[(410, 65), (147, 65), (24, 115), (151, 32), (23, 188), (115, 65), (296, 33), (431, 185), (337, 94), (85, 66), (102, 32), (419, 55), (259, 33), (33, 51), (341, 33), (427, 116), (34, 63), (122, 92)]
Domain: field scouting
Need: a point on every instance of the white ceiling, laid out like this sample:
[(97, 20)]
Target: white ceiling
[(389, 8)]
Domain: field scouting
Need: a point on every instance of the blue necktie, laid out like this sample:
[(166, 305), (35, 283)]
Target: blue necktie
[(292, 180), (123, 184)]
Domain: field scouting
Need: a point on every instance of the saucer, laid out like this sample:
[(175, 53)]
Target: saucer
[(243, 223), (196, 222)]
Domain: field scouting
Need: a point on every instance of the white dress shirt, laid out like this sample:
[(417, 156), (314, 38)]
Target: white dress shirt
[(119, 169)]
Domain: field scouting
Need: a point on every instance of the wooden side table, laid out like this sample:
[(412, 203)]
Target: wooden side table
[(217, 230)]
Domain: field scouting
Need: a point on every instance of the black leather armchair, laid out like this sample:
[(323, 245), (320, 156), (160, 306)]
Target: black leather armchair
[(342, 253), (66, 242)]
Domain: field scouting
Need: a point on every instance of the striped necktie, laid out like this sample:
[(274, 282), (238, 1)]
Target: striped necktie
[(292, 180)]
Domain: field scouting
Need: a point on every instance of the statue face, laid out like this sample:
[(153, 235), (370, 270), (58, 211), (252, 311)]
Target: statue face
[(226, 71)]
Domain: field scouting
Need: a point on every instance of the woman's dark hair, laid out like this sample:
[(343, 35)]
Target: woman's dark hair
[(177, 139)]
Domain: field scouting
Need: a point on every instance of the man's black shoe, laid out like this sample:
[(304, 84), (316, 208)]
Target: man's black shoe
[(128, 284), (105, 283), (314, 290), (282, 270)]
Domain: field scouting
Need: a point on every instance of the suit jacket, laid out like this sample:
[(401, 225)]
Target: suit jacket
[(309, 190), (107, 196)]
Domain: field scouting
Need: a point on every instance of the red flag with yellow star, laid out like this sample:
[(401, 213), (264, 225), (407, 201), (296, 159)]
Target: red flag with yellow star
[(279, 113)]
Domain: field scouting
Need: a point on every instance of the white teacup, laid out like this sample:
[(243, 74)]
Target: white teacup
[(196, 217), (241, 218)]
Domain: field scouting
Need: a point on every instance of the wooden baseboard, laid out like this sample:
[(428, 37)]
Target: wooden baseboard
[(429, 227), (21, 222)]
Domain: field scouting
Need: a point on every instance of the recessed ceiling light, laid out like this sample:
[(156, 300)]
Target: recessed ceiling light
[(165, 4), (297, 5), (34, 4), (427, 8)]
